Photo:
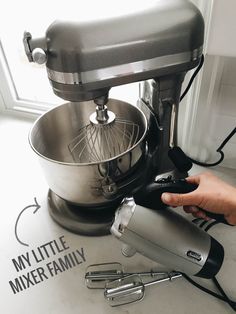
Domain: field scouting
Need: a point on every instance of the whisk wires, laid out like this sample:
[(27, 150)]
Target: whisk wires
[(99, 142)]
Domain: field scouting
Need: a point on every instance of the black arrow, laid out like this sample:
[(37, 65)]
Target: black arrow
[(37, 206)]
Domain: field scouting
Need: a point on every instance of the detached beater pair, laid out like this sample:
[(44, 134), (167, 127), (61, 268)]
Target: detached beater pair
[(122, 287)]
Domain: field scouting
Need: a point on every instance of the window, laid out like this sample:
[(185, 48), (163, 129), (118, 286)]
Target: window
[(24, 86)]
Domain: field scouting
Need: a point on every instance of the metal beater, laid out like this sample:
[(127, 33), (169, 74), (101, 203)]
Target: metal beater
[(131, 289), (123, 287), (98, 275)]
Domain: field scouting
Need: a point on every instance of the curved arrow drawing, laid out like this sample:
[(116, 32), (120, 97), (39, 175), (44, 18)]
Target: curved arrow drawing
[(37, 206)]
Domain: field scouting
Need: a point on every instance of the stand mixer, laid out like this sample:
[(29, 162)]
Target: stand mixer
[(90, 174)]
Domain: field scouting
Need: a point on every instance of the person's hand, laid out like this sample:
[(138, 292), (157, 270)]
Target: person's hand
[(212, 194)]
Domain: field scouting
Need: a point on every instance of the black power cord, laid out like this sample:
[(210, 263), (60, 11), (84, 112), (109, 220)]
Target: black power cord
[(231, 303), (219, 149), (223, 297), (195, 73)]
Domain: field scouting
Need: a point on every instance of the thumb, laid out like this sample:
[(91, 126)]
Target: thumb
[(173, 199)]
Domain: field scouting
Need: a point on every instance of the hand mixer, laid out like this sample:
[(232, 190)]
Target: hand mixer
[(95, 159)]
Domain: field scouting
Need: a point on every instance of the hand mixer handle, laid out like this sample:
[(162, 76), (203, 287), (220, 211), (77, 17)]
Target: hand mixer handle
[(151, 197)]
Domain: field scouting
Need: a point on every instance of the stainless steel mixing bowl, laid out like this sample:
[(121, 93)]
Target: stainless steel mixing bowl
[(86, 184)]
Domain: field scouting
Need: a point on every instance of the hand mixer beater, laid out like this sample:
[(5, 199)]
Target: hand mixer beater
[(105, 137)]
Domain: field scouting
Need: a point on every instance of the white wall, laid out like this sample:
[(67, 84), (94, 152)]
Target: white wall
[(1, 103), (224, 115), (208, 114), (222, 29)]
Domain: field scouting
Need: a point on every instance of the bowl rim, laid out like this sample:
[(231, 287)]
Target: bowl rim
[(73, 164)]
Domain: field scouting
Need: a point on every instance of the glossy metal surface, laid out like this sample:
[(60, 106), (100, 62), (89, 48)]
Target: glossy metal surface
[(80, 220), (162, 96), (163, 236), (103, 138), (85, 59), (97, 275), (131, 288), (86, 184), (124, 70), (168, 27)]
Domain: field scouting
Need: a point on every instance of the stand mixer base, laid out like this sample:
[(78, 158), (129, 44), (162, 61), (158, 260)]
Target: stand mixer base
[(80, 220)]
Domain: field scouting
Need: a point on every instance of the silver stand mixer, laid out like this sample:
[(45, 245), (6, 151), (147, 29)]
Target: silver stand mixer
[(98, 153)]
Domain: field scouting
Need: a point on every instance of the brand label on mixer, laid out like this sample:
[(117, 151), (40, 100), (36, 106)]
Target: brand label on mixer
[(48, 263)]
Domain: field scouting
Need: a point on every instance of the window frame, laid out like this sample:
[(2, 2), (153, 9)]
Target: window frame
[(9, 99)]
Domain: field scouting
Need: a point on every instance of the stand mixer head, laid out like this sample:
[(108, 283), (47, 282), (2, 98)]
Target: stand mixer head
[(84, 60)]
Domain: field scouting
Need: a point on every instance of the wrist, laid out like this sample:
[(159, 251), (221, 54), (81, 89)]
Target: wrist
[(231, 206)]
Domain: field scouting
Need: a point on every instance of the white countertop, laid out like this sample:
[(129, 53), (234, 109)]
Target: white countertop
[(57, 291)]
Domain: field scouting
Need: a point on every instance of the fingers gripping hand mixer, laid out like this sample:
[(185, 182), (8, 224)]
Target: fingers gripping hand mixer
[(94, 157)]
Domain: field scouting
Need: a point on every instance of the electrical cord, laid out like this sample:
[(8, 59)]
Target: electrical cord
[(197, 285), (223, 297), (195, 73), (208, 165), (219, 149), (212, 293), (231, 303)]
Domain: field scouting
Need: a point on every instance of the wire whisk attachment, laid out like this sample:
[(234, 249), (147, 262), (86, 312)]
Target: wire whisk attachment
[(104, 138)]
